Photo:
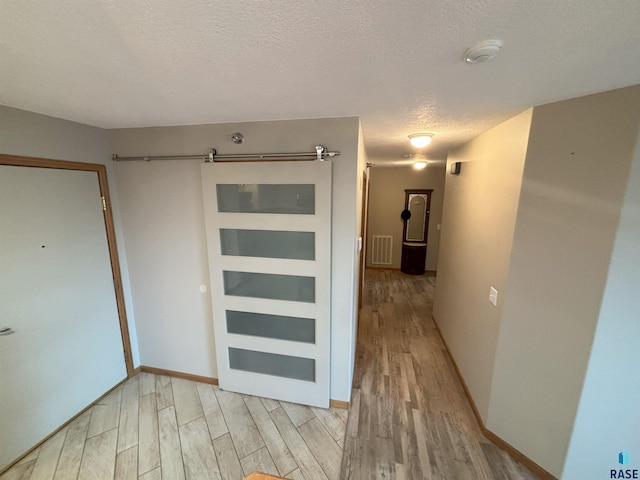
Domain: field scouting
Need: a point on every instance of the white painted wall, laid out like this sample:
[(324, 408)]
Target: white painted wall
[(163, 224), (608, 419), (34, 135), (163, 227)]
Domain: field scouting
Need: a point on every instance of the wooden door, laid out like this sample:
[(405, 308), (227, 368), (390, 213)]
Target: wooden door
[(415, 231)]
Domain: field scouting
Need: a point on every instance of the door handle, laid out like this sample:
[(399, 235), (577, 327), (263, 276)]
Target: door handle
[(4, 331)]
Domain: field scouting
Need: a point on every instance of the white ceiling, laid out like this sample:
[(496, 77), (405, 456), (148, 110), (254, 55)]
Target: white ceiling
[(396, 64)]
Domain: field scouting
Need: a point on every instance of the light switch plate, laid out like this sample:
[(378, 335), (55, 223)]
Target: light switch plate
[(493, 296)]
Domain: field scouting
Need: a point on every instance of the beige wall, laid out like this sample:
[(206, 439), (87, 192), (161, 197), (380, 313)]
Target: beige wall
[(608, 413), (575, 177), (543, 235), (478, 221), (387, 201), (163, 223)]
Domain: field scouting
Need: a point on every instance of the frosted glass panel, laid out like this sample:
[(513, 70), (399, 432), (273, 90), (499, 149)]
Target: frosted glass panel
[(272, 364), (268, 243), (271, 286), (272, 326), (266, 198)]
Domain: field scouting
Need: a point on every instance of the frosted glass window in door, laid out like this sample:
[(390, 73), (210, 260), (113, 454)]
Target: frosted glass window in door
[(272, 326), (266, 198), (268, 243), (272, 364), (271, 286)]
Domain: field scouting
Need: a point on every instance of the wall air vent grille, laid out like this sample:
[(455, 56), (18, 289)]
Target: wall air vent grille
[(382, 250)]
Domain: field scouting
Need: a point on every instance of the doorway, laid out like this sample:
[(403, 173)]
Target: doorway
[(363, 235), (65, 341)]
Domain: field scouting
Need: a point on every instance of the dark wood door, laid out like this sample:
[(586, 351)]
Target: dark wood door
[(415, 231)]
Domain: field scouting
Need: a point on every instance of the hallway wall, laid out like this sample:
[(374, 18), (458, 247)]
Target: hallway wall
[(611, 392), (575, 177), (478, 221), (525, 361), (387, 201)]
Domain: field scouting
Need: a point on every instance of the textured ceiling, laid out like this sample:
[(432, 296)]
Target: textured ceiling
[(396, 64)]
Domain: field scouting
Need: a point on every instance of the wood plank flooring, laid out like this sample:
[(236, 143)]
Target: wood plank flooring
[(409, 418), (154, 427)]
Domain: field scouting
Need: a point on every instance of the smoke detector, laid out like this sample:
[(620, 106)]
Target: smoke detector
[(483, 51)]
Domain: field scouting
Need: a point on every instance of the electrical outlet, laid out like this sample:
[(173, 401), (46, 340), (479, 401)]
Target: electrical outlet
[(493, 296)]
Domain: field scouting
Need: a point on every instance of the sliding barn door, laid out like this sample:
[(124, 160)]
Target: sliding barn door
[(269, 242), (62, 347)]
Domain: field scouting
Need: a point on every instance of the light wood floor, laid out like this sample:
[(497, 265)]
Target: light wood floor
[(155, 427), (409, 417)]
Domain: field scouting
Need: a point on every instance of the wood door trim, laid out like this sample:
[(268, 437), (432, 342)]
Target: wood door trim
[(364, 220), (101, 170)]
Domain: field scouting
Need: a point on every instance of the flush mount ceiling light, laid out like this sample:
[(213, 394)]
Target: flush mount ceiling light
[(420, 140), (483, 51), (419, 165)]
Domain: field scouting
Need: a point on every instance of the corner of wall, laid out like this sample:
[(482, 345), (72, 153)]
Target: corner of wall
[(564, 236), (35, 135), (608, 417)]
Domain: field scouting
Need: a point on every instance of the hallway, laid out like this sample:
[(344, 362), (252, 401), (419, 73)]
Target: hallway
[(409, 417)]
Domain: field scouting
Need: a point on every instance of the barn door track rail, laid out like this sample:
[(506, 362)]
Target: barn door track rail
[(321, 154)]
